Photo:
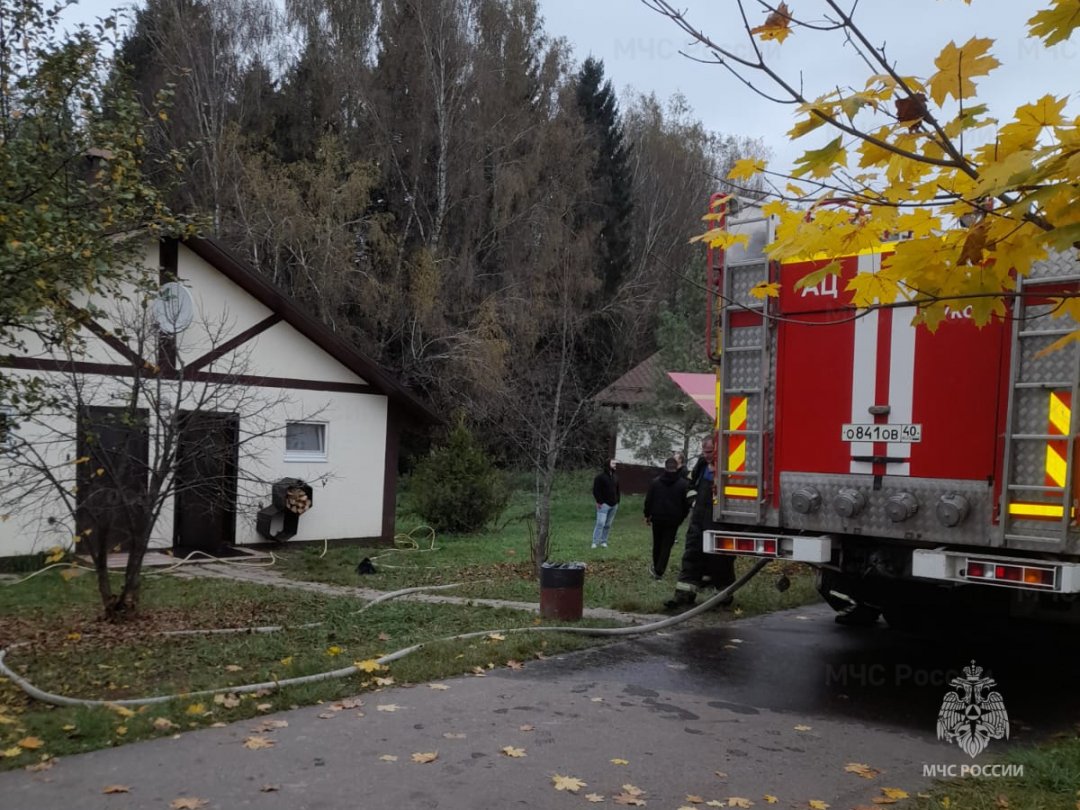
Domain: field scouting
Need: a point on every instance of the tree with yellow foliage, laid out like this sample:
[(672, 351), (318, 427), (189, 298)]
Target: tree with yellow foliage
[(975, 217)]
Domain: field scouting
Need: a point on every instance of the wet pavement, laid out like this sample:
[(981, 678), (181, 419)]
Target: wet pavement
[(679, 708)]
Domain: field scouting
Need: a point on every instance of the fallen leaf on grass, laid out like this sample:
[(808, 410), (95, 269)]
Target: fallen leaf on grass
[(257, 743), (452, 736), (187, 803), (388, 707), (121, 731), (515, 753), (368, 665), (628, 799), (286, 661), (425, 757), (109, 789), (30, 743), (571, 783), (438, 687), (496, 637), (595, 798), (384, 636), (333, 650), (739, 801), (264, 707), (163, 724), (233, 668), (802, 728), (14, 751), (860, 769), (229, 701), (527, 727), (479, 672), (195, 708), (620, 761), (123, 711), (388, 758), (384, 681)]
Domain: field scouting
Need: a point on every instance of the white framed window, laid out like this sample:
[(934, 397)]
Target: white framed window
[(305, 441)]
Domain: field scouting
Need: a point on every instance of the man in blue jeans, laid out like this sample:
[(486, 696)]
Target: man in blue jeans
[(605, 490)]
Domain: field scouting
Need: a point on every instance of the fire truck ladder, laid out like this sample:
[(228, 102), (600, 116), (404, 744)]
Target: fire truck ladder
[(744, 349), (1038, 506)]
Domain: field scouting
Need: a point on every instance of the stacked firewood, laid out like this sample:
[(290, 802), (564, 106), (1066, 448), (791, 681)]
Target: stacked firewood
[(296, 500)]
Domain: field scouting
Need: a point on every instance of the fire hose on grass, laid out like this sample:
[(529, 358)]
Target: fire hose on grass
[(344, 672)]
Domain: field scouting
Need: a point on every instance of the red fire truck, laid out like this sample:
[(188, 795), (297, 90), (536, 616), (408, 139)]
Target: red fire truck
[(916, 470)]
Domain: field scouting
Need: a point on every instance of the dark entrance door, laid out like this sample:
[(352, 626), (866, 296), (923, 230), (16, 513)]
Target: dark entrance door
[(112, 479), (205, 514)]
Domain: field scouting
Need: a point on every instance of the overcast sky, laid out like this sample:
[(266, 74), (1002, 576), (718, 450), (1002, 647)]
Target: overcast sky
[(640, 50)]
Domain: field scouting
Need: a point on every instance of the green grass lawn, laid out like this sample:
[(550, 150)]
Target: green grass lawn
[(1051, 781), (74, 654), (496, 563)]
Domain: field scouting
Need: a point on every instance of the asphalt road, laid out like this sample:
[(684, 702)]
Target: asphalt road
[(678, 708)]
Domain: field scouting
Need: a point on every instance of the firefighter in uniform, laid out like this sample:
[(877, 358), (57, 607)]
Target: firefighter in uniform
[(699, 570)]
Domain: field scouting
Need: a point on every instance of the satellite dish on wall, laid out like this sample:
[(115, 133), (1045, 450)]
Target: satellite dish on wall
[(174, 308)]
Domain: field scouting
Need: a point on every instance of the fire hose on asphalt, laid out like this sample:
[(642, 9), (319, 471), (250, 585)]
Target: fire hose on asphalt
[(344, 672)]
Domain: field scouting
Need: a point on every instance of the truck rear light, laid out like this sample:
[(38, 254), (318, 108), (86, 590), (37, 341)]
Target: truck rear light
[(1039, 576), (768, 546), (726, 543), (716, 543), (976, 570), (744, 544), (1010, 573)]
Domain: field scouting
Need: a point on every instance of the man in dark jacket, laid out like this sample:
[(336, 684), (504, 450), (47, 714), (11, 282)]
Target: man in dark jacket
[(605, 491), (700, 570), (665, 510)]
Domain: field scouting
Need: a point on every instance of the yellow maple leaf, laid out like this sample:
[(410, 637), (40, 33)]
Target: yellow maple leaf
[(368, 665), (195, 708), (869, 289), (765, 289), (776, 26), (123, 711), (821, 162), (514, 753), (333, 650), (14, 751), (286, 661), (571, 783), (894, 793), (30, 743), (496, 637), (1055, 24), (722, 238), (620, 761), (770, 799), (861, 769), (746, 168), (957, 66), (425, 757), (818, 804), (55, 554)]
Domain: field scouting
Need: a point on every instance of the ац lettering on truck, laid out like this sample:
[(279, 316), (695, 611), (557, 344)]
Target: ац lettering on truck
[(916, 470)]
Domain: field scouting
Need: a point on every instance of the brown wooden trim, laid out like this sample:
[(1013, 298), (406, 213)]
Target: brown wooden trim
[(168, 270), (234, 342), (117, 370), (104, 334), (318, 333), (390, 470)]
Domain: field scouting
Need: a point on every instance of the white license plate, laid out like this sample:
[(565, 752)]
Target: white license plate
[(897, 434)]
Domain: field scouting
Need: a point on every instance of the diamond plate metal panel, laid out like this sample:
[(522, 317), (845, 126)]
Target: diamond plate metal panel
[(1057, 366), (743, 370), (1029, 462), (1056, 265), (744, 277), (874, 522), (743, 336)]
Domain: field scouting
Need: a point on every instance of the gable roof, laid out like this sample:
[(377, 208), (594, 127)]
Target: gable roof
[(633, 387), (268, 294)]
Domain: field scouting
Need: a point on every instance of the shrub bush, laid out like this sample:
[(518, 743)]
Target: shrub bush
[(455, 488)]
